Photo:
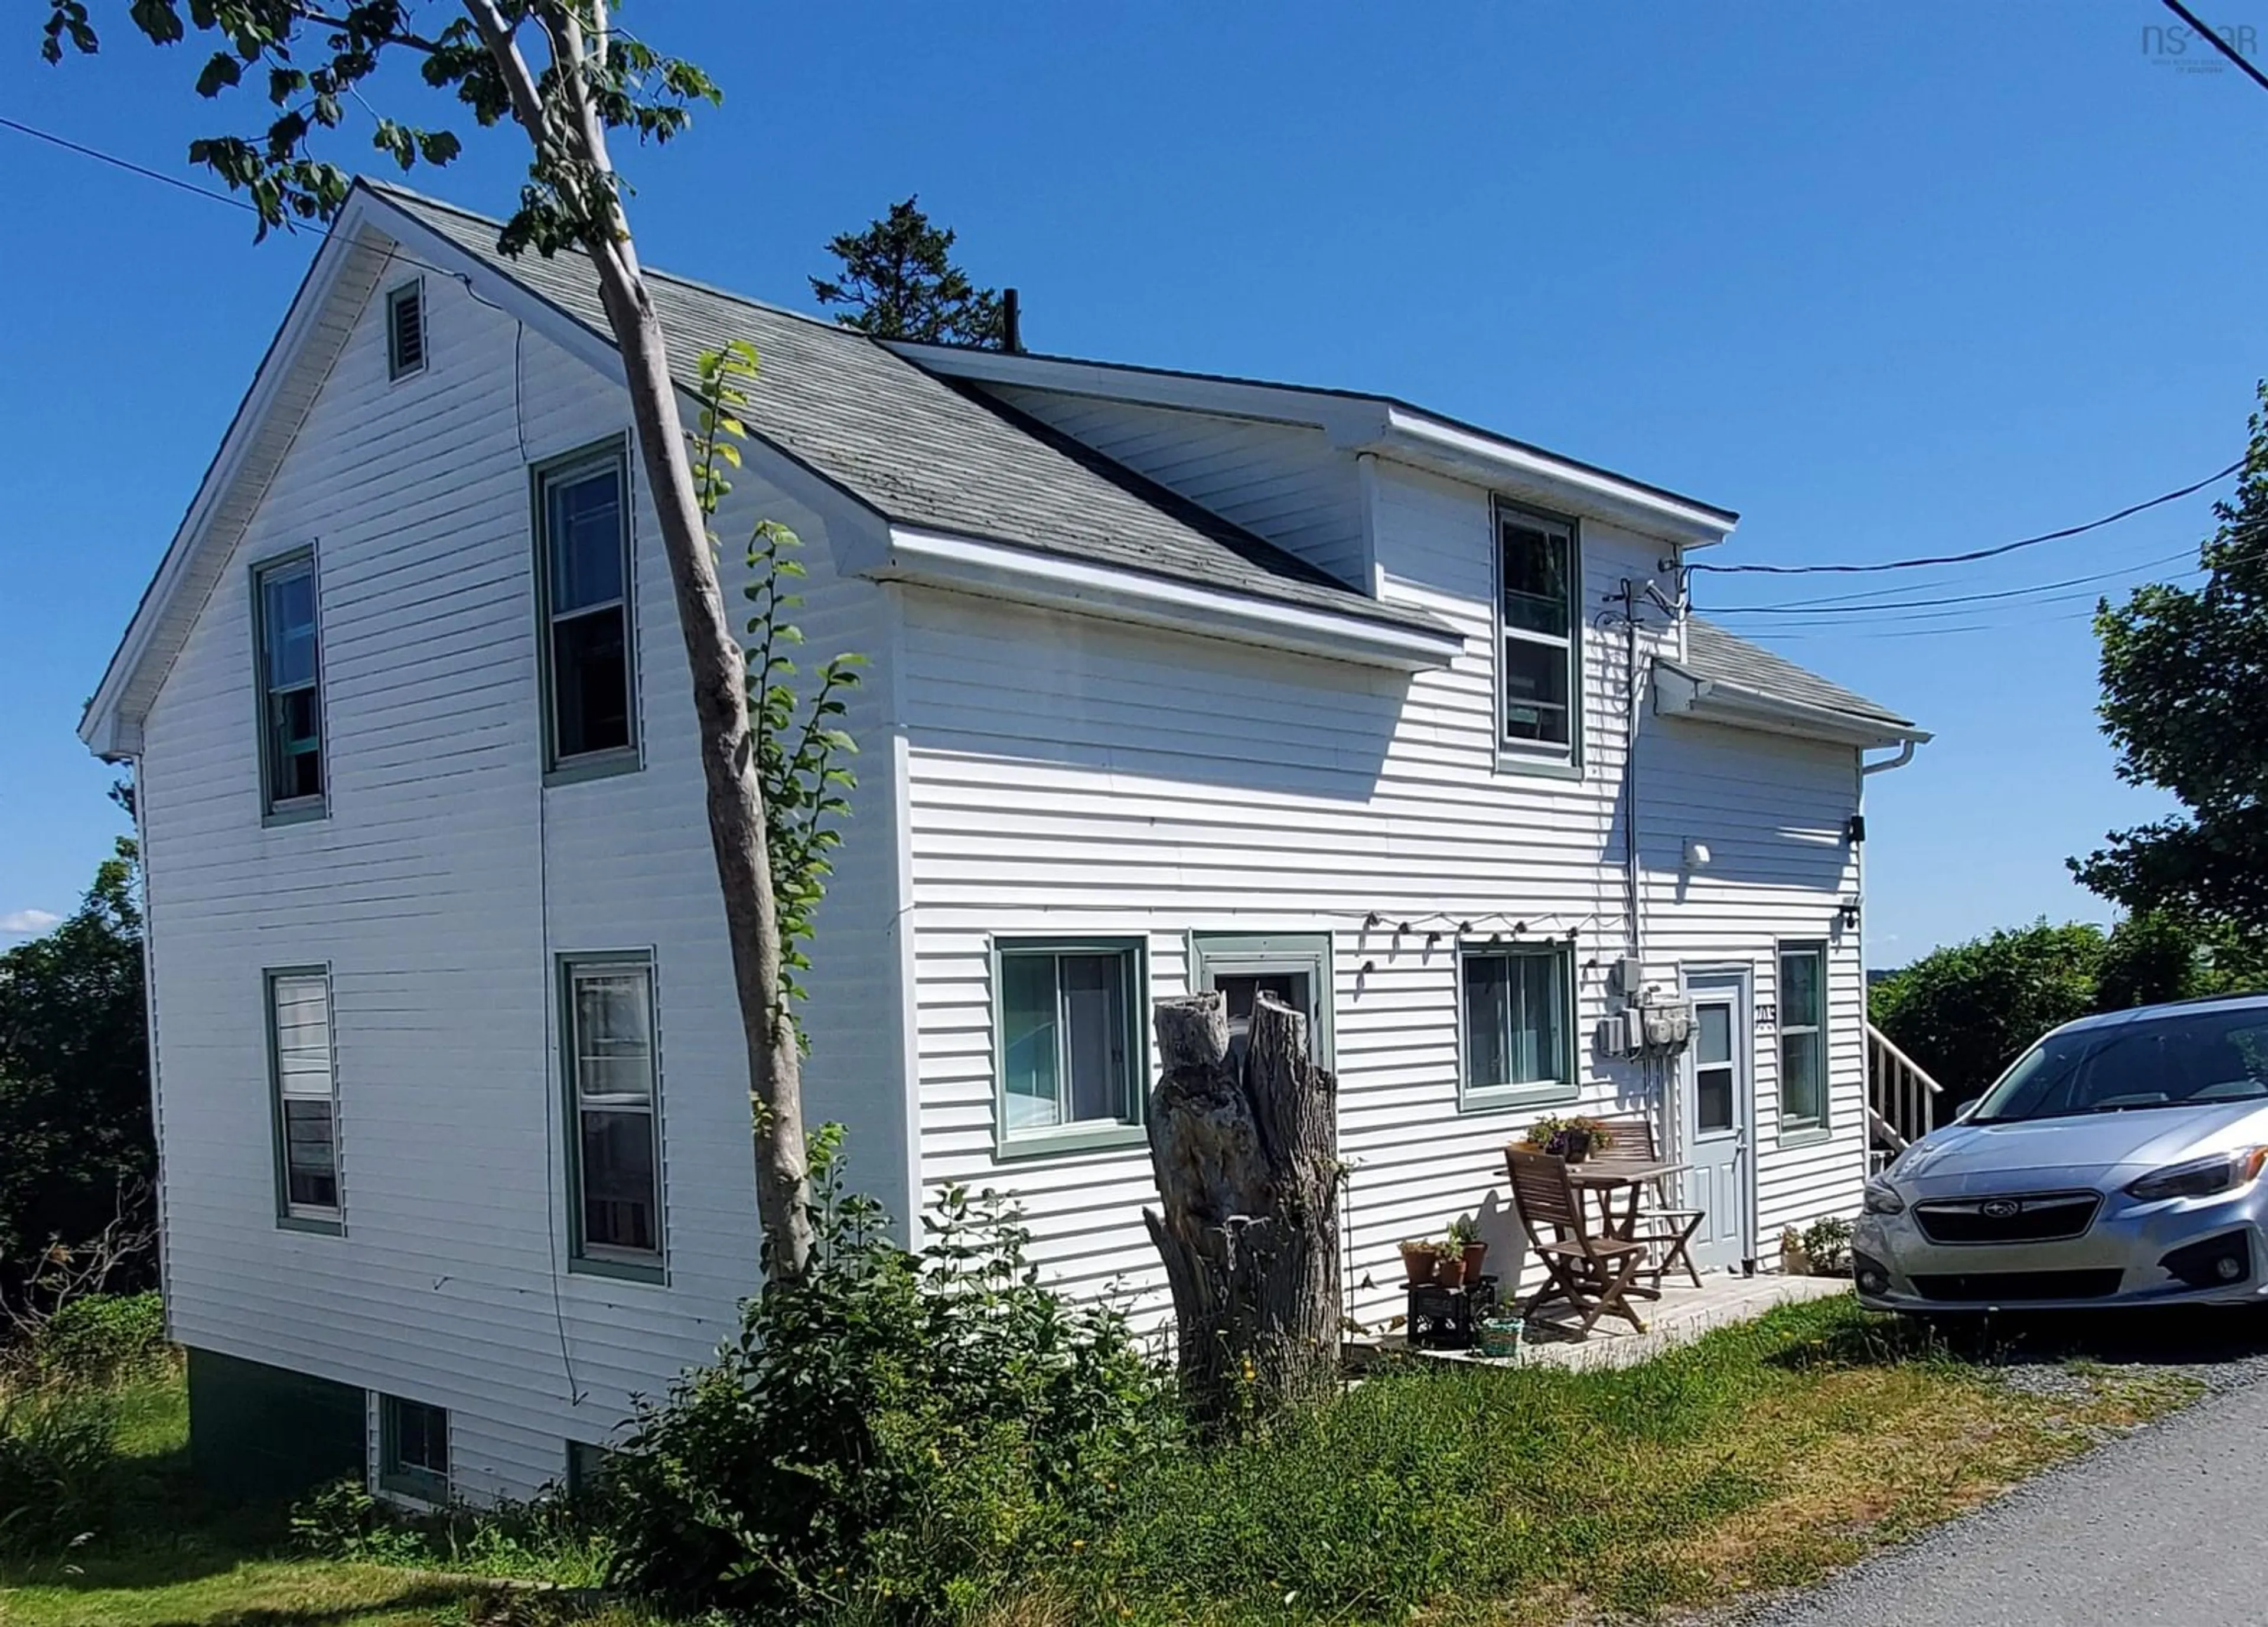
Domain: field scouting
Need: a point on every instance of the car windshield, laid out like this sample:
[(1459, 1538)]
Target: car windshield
[(2181, 1059)]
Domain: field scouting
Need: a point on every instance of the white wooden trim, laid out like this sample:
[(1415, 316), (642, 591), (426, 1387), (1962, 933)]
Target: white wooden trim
[(1001, 570)]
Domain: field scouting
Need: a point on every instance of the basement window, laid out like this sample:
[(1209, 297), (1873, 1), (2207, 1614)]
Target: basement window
[(413, 1459), (405, 330)]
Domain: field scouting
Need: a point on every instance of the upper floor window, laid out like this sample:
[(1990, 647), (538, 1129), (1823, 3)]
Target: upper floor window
[(290, 685), (307, 1097), (614, 1158), (1068, 1018), (405, 330), (583, 584), (1539, 570), (1518, 1007)]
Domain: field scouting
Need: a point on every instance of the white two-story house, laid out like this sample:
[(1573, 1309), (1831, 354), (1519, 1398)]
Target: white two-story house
[(1174, 681)]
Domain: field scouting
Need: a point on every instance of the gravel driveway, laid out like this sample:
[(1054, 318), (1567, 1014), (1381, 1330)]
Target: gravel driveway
[(2163, 1526)]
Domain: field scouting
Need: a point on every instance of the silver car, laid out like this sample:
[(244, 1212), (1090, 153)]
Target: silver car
[(2118, 1162)]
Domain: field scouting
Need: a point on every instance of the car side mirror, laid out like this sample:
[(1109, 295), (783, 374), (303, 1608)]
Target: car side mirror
[(1962, 1116)]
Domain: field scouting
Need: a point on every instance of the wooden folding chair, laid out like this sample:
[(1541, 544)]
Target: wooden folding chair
[(1593, 1273), (1666, 1231)]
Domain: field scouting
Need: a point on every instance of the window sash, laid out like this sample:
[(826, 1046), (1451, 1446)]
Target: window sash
[(613, 1097), (1067, 1046), (416, 1442), (288, 626), (1539, 683), (303, 1077), (1517, 1024), (584, 570), (1803, 1038)]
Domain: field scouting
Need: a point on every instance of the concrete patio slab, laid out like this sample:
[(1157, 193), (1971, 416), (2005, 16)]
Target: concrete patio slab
[(1682, 1315)]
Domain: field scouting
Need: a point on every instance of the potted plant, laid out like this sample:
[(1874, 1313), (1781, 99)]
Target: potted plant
[(1465, 1237), (1573, 1138), (1419, 1260), (1449, 1265)]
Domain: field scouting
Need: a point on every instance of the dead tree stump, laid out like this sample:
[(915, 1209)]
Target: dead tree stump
[(1246, 1163)]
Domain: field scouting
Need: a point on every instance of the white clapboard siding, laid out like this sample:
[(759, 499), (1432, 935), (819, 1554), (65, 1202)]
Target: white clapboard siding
[(438, 890), (1071, 776), (1281, 481)]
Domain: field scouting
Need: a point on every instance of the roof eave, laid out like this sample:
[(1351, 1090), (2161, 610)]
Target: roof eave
[(1354, 423), (1681, 693), (995, 569)]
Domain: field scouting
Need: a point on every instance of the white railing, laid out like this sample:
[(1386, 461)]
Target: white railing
[(1901, 1097)]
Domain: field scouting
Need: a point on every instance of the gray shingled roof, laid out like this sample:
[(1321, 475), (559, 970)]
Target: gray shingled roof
[(1713, 653), (921, 452)]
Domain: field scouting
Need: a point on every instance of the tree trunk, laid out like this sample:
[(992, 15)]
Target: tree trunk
[(1247, 1162), (570, 153)]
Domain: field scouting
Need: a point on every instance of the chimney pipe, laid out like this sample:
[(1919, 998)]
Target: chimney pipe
[(1011, 322)]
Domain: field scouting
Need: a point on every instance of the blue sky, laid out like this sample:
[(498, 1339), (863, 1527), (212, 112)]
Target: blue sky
[(1889, 281)]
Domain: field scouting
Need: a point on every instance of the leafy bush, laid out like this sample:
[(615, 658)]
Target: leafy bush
[(1827, 1244), (897, 1434), (102, 1337), (558, 1538), (58, 1468)]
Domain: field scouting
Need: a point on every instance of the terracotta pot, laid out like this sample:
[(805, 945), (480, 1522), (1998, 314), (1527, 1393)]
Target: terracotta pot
[(1449, 1272), (1475, 1253), (1420, 1264)]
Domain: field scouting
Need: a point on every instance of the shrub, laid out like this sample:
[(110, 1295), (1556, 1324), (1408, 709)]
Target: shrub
[(58, 1461), (897, 1434), (102, 1337), (1827, 1244), (558, 1538)]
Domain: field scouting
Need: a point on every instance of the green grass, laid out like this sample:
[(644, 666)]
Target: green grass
[(1767, 1455)]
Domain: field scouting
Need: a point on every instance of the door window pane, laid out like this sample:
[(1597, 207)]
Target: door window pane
[(1066, 1037), (1714, 1040), (609, 1035), (1713, 1091)]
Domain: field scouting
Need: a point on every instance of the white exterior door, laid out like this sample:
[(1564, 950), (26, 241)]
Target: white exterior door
[(1717, 1108)]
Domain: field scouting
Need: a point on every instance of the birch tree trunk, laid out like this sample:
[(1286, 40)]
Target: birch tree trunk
[(1247, 1165), (571, 151)]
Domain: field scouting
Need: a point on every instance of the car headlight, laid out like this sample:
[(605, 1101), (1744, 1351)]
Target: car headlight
[(2201, 1177), (1881, 1198)]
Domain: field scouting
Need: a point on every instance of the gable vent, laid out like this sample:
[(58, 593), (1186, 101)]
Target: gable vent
[(405, 330)]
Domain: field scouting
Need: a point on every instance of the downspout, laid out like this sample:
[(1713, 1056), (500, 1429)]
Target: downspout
[(1634, 700), (149, 1022), (1905, 755)]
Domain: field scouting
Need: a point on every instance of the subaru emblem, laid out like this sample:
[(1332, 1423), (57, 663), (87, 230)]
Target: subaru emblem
[(1999, 1208)]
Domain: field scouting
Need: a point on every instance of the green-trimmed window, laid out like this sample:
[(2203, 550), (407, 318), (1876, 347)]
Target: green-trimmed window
[(290, 685), (1539, 572), (584, 578), (1518, 1013), (412, 1449), (1802, 1036), (612, 1084), (1293, 966), (1067, 1017), (306, 1084)]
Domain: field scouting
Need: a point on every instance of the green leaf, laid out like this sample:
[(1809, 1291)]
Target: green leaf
[(221, 70)]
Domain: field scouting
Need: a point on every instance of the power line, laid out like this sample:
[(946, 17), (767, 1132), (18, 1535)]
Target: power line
[(2217, 42), (1844, 606), (1976, 553), (130, 167)]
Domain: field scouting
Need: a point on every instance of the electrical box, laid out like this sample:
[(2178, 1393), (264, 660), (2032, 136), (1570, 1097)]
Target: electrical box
[(1622, 1033), (1668, 1026), (1627, 975)]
